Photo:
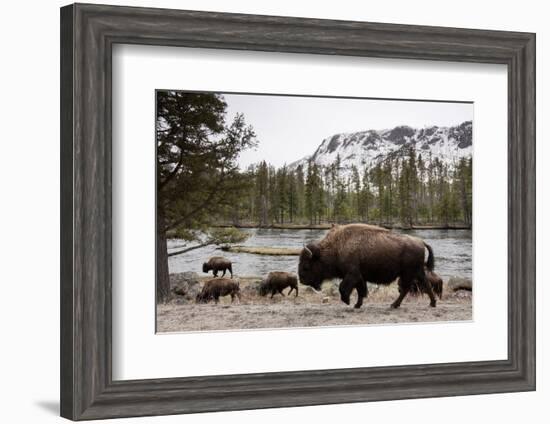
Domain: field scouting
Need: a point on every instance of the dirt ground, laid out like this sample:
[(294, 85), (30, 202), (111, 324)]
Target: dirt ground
[(309, 309)]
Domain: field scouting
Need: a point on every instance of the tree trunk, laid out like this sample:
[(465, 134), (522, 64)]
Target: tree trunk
[(263, 215), (163, 277)]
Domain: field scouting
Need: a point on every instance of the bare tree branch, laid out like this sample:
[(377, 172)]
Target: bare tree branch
[(198, 246)]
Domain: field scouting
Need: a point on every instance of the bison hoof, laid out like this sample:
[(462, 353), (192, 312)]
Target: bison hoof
[(432, 304), (394, 305), (346, 301), (357, 305)]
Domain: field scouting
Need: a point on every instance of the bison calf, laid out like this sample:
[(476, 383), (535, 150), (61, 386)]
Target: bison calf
[(217, 263), (277, 281), (432, 279), (217, 287)]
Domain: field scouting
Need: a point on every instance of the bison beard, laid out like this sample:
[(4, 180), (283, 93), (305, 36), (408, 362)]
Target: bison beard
[(358, 253)]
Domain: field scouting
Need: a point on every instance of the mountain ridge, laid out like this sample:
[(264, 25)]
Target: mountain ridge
[(369, 147)]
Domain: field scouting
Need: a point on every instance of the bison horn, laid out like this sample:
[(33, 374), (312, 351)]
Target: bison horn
[(309, 253)]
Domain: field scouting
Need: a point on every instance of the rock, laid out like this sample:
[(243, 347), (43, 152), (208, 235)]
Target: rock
[(187, 276), (325, 299), (462, 294), (185, 284), (181, 288), (459, 283)]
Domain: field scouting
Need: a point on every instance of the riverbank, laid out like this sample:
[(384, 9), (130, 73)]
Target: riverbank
[(309, 309), (273, 251), (327, 226)]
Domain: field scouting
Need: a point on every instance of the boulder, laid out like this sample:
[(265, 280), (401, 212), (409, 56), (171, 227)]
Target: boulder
[(187, 276), (459, 283), (185, 284)]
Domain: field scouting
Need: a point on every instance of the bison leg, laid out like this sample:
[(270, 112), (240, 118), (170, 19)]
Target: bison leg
[(439, 289), (425, 286), (404, 287), (429, 290), (215, 273), (295, 288), (281, 292), (362, 292), (350, 281), (223, 274), (230, 270)]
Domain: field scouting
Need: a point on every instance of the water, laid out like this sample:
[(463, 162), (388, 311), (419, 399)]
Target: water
[(452, 249)]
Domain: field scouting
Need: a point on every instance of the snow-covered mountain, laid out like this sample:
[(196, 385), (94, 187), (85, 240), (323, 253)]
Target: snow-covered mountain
[(367, 148)]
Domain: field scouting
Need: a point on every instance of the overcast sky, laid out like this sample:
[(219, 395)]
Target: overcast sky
[(289, 128)]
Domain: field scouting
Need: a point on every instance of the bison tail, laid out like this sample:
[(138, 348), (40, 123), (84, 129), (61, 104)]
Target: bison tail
[(431, 260)]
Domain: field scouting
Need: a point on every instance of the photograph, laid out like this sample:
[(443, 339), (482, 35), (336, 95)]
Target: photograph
[(288, 211)]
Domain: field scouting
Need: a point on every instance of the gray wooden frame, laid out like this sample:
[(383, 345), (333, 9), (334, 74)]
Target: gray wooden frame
[(88, 33)]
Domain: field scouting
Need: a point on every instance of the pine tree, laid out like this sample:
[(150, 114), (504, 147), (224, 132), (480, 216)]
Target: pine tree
[(366, 196), (300, 191), (413, 186), (464, 183), (309, 193), (282, 193), (356, 191), (262, 206), (198, 177)]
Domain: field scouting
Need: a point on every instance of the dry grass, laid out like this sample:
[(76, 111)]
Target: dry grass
[(309, 309)]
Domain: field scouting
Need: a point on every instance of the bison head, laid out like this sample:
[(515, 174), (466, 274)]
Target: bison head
[(310, 267), (263, 289), (201, 298), (205, 267)]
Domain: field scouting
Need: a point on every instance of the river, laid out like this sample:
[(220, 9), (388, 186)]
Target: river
[(452, 248)]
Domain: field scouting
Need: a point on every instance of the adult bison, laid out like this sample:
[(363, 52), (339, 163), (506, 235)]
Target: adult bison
[(217, 263), (277, 281), (218, 287), (358, 253)]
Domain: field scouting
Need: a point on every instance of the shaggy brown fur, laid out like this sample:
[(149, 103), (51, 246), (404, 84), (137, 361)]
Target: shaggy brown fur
[(277, 281), (358, 253), (217, 263), (217, 287), (433, 279)]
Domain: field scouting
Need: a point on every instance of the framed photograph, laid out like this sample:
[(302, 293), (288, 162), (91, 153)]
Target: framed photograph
[(262, 212)]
